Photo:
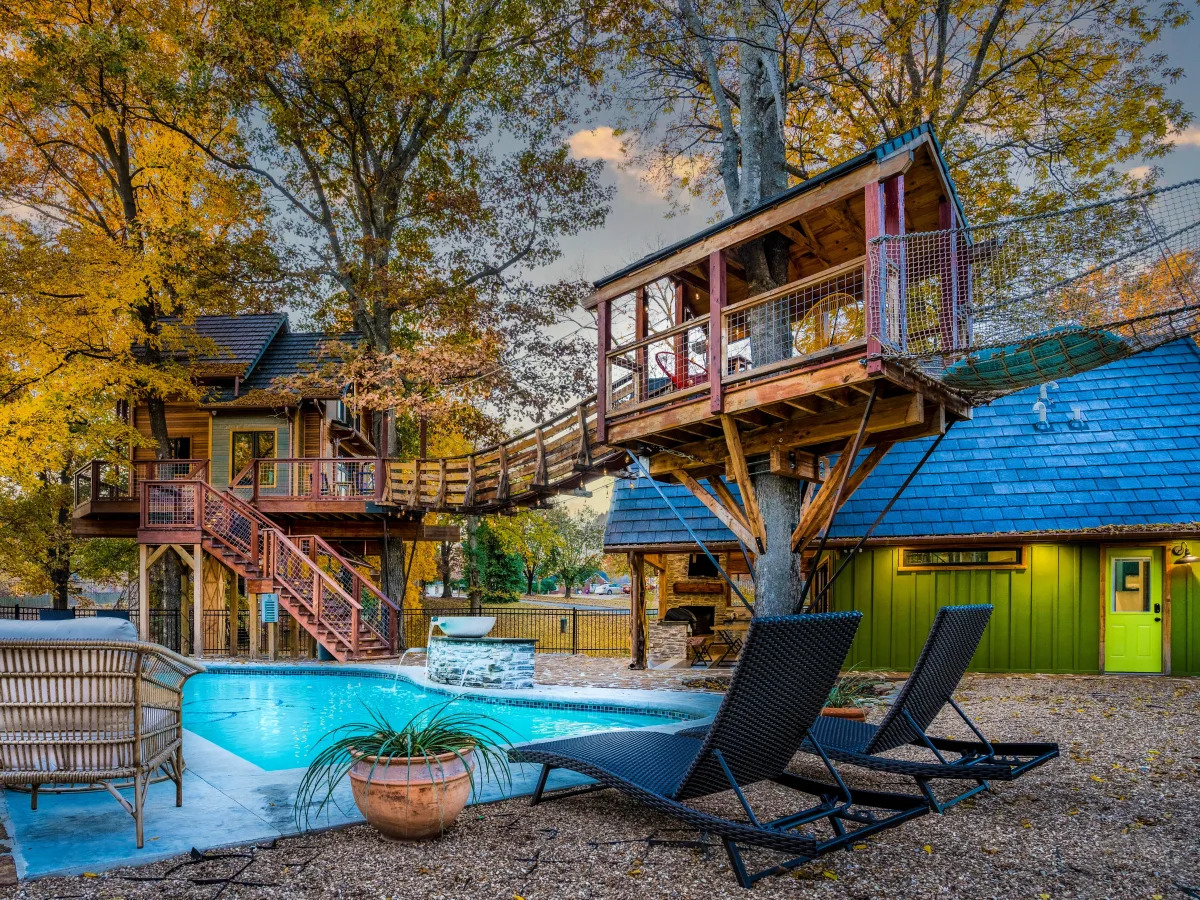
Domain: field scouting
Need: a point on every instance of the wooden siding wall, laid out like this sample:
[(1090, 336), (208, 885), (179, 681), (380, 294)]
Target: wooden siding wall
[(183, 420), (311, 444), (1046, 619), (1185, 619), (225, 423)]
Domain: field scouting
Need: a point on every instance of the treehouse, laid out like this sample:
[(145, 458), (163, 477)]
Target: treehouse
[(700, 376)]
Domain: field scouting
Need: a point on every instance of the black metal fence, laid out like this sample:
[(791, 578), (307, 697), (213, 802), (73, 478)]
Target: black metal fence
[(164, 623), (290, 640), (565, 630)]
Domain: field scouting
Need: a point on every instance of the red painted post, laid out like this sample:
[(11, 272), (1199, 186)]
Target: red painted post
[(354, 630), (948, 276), (197, 506), (893, 223), (254, 476), (380, 471), (717, 292), (876, 274), (640, 328), (94, 490), (316, 594), (254, 558), (681, 360), (604, 327)]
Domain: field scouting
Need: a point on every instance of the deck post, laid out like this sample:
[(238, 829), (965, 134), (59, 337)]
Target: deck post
[(603, 326), (94, 489), (681, 364), (640, 328), (143, 592), (637, 611), (717, 289), (252, 627), (948, 278), (893, 223), (876, 275), (198, 600)]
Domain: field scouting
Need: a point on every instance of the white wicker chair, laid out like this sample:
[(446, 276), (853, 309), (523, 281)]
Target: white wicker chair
[(105, 711)]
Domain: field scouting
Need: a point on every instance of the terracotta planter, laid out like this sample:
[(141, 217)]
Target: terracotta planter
[(845, 712), (412, 799)]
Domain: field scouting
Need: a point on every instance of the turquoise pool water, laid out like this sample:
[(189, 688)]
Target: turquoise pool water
[(276, 721)]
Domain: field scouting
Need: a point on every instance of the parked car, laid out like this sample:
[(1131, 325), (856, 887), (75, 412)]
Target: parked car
[(605, 589)]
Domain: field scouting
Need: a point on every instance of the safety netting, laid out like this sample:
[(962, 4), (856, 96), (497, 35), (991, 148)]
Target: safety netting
[(995, 308)]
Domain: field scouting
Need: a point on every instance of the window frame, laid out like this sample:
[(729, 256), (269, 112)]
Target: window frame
[(1021, 563)]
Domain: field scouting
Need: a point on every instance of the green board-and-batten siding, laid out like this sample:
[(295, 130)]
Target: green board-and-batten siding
[(1046, 619), (1185, 620)]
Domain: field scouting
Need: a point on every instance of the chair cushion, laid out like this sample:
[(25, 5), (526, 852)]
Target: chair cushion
[(87, 629)]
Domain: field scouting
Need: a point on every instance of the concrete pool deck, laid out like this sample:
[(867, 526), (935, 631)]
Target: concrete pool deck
[(228, 800)]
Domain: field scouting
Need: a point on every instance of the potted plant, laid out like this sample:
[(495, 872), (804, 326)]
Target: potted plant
[(846, 697), (411, 782)]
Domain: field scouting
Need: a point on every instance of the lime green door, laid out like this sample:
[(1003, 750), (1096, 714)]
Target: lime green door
[(1133, 610)]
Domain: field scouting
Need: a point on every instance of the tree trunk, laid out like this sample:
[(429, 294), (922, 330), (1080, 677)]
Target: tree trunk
[(444, 554), (172, 569), (567, 589), (778, 576), (530, 572), (59, 555), (474, 580), (395, 577)]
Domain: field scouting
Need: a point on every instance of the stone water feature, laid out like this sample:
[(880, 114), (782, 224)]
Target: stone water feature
[(463, 656)]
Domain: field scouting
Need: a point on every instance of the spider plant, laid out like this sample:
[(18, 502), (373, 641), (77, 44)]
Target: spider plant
[(850, 691), (433, 731)]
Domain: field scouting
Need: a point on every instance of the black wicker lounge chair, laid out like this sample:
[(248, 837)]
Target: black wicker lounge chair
[(787, 667), (952, 642)]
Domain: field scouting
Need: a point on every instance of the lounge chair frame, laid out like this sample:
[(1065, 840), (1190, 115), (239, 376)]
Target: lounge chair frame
[(788, 665), (952, 641), (102, 713)]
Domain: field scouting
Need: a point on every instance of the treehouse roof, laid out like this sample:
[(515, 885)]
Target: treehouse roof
[(739, 228), (1128, 469)]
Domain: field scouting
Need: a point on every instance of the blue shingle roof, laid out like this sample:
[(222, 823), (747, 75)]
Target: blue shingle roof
[(638, 517), (1133, 463)]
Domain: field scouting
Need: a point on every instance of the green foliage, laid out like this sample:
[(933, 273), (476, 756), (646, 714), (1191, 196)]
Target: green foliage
[(501, 577), (851, 690), (530, 535), (577, 551), (430, 733)]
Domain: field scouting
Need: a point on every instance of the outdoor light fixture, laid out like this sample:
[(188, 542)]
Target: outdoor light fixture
[(1183, 554)]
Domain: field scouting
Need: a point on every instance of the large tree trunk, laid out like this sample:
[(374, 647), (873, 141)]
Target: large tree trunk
[(444, 557), (530, 572), (395, 572)]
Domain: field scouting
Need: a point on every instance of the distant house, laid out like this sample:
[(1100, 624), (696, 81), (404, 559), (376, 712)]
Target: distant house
[(1083, 533)]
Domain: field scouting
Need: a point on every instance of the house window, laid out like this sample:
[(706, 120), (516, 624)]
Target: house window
[(180, 447), (1131, 585), (247, 446), (700, 566), (956, 558)]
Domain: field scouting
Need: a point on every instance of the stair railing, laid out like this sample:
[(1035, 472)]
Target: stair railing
[(379, 612)]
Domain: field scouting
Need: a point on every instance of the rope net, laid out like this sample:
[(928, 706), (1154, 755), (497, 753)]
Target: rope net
[(995, 308)]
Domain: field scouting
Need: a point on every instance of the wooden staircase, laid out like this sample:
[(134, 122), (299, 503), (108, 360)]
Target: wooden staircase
[(344, 612)]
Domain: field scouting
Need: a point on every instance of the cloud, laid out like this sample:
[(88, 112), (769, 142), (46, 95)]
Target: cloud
[(599, 143), (1139, 172), (1188, 138)]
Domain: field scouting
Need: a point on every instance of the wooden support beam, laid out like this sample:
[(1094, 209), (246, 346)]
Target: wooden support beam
[(197, 600), (156, 553), (539, 470), (843, 217), (795, 464), (143, 592), (583, 453), (502, 484), (655, 561), (727, 499), (892, 413), (604, 328), (819, 511), (726, 518), (637, 611), (187, 558), (805, 239), (440, 500), (414, 494), (737, 456), (718, 293), (469, 496)]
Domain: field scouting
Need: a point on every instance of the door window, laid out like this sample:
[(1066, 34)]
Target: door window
[(247, 446), (1131, 585)]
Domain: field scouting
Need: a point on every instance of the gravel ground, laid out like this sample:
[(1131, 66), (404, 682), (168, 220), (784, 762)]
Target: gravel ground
[(1118, 815)]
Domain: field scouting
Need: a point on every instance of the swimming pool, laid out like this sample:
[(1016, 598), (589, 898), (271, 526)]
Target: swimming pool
[(275, 720)]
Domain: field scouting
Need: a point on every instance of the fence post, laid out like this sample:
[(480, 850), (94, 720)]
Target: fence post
[(574, 629)]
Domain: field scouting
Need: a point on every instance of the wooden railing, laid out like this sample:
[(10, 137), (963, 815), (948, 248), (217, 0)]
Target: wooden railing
[(534, 464), (103, 480), (660, 366), (330, 479)]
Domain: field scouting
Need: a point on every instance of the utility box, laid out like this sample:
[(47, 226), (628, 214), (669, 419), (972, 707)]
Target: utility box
[(268, 608)]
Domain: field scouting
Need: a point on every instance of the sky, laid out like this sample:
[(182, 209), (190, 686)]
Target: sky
[(640, 222)]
